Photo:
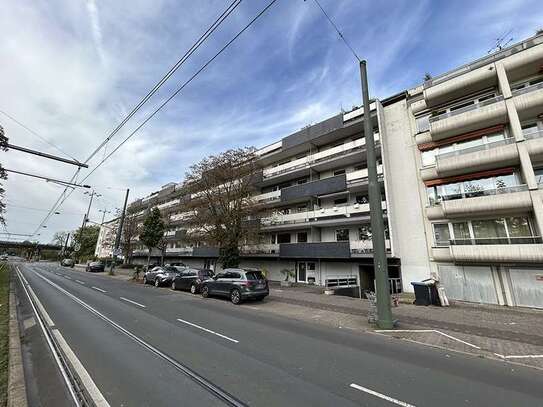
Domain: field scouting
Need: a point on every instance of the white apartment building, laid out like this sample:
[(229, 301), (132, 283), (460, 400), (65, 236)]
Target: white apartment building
[(460, 159)]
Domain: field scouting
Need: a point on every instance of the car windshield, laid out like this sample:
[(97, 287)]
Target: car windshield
[(171, 269), (254, 275)]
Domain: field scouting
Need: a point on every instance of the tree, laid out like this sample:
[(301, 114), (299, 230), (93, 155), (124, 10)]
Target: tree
[(130, 231), (59, 238), (222, 212), (163, 243), (3, 176), (152, 231), (87, 241)]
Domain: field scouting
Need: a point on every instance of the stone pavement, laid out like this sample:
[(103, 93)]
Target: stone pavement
[(510, 334)]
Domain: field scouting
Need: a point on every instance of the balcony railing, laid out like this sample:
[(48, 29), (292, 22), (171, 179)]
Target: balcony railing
[(475, 106), (261, 249), (533, 134), (365, 246), (333, 152), (473, 149), (268, 196), (495, 240), (180, 250), (528, 89), (317, 214), (483, 192)]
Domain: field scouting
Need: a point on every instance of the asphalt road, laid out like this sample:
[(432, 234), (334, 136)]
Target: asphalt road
[(140, 344)]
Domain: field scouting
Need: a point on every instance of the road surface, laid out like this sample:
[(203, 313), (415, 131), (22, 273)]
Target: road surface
[(143, 346)]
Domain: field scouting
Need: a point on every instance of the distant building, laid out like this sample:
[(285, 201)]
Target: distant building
[(106, 238)]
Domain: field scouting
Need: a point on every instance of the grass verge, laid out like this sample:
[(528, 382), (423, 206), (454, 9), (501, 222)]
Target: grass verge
[(4, 320)]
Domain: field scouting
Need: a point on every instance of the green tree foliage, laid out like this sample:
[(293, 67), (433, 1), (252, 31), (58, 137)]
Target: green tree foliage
[(87, 241), (152, 231)]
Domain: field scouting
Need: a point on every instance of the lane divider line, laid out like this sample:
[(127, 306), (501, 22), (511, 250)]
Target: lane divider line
[(133, 302), (209, 386), (80, 282), (89, 384), (69, 278), (61, 367), (381, 395), (99, 289), (384, 331), (207, 330)]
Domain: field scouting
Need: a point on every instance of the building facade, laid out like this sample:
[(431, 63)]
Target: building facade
[(460, 160)]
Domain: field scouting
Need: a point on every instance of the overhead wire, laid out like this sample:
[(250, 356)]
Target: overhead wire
[(156, 87)]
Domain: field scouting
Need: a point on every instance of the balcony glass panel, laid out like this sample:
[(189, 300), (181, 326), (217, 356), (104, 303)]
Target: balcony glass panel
[(489, 241), (518, 226), (461, 230), (467, 108), (490, 229), (528, 89), (441, 234)]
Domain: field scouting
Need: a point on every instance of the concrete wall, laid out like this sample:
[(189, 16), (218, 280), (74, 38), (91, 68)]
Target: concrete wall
[(406, 214)]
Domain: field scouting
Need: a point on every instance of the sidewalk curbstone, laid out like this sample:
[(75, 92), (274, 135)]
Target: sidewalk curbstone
[(16, 378)]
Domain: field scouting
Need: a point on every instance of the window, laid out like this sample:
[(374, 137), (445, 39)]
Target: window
[(301, 181), (538, 175), (441, 234), (340, 201), (493, 229), (283, 238), (429, 157), (302, 237), (342, 235), (461, 231), (339, 172), (529, 128), (518, 226), (301, 208), (364, 232), (423, 123), (363, 199)]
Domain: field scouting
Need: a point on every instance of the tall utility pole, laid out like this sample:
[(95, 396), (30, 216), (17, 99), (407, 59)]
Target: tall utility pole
[(86, 217), (382, 289), (119, 232)]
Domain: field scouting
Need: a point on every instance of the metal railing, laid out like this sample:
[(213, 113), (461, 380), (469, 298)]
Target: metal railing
[(528, 89), (483, 192), (481, 147), (496, 241), (465, 109)]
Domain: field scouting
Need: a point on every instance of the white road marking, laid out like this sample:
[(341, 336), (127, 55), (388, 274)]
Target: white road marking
[(89, 384), (58, 274), (207, 330), (133, 302), (21, 275), (99, 289), (429, 331), (80, 282), (518, 356), (69, 278), (46, 316), (381, 396), (193, 375)]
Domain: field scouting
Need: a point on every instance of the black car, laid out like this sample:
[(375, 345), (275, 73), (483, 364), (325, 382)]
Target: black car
[(95, 266), (191, 279), (161, 275), (237, 284)]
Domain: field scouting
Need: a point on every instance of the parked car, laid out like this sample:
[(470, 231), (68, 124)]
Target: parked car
[(4, 257), (95, 266), (67, 263), (237, 284), (191, 279), (160, 275)]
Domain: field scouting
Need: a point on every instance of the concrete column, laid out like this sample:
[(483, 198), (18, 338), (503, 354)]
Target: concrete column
[(503, 82), (537, 205), (526, 166), (514, 121)]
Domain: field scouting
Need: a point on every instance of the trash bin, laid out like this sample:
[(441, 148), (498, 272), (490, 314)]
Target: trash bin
[(425, 293)]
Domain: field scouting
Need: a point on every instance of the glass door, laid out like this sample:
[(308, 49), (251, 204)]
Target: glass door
[(302, 272)]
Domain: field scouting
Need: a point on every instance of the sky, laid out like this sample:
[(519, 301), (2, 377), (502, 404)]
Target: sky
[(71, 71)]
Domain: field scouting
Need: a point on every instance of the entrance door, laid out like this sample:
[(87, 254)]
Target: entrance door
[(302, 272)]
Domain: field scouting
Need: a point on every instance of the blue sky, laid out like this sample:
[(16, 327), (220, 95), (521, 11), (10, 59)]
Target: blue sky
[(74, 68)]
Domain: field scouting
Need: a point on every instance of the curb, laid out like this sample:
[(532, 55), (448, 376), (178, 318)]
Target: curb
[(16, 377)]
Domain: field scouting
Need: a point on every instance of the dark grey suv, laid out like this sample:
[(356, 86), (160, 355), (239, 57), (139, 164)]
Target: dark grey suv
[(237, 285)]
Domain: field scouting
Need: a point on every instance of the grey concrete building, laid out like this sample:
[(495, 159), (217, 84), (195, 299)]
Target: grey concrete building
[(460, 159)]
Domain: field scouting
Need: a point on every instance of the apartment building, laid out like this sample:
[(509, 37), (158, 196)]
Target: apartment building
[(475, 156), (460, 160), (106, 238)]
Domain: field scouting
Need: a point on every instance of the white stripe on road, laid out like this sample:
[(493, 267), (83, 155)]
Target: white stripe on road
[(80, 282), (381, 396), (428, 331), (207, 330), (133, 302), (99, 289), (89, 384), (58, 274), (69, 278)]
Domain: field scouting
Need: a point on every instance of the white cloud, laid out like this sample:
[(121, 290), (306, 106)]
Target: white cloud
[(94, 17)]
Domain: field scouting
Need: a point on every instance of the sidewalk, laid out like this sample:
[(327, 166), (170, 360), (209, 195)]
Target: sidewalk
[(512, 334)]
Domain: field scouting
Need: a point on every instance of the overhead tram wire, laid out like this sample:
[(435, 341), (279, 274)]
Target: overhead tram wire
[(157, 86), (271, 3), (188, 81), (338, 31)]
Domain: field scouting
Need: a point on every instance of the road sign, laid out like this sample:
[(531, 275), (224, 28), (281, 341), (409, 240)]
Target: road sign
[(77, 247), (117, 252)]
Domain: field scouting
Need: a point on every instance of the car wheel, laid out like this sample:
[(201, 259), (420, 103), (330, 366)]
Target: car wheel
[(157, 282), (173, 286), (205, 291), (235, 296), (144, 280), (193, 289)]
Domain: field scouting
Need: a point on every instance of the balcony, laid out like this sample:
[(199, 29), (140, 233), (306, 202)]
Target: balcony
[(180, 251), (313, 159), (341, 212), (324, 250), (473, 117), (273, 196), (492, 201), (260, 249), (315, 188), (529, 100), (498, 250), (534, 144), (365, 247)]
